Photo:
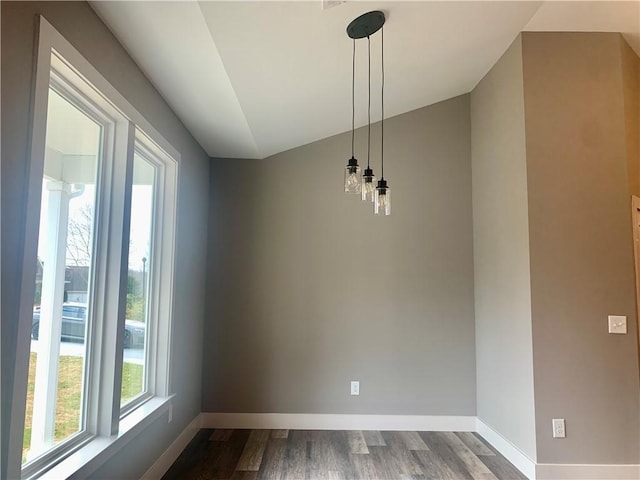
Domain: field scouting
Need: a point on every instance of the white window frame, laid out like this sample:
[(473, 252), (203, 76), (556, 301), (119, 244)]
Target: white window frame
[(160, 280), (113, 125), (107, 429)]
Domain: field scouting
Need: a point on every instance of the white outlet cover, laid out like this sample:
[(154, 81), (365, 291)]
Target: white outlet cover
[(558, 428), (618, 324), (355, 388)]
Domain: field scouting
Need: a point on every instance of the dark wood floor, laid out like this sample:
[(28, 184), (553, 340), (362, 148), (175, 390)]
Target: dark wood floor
[(328, 454)]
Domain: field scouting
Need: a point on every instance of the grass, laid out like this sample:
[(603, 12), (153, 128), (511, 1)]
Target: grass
[(68, 404), (132, 381)]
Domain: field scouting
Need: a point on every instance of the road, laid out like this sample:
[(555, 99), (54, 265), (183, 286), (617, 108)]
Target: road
[(76, 349)]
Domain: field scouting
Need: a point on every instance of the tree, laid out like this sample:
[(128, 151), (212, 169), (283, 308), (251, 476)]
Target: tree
[(79, 255), (79, 237)]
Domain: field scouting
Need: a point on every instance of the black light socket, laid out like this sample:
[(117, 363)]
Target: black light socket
[(382, 187), (352, 165)]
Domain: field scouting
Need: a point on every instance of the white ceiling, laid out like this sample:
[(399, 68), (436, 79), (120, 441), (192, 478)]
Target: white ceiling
[(251, 79)]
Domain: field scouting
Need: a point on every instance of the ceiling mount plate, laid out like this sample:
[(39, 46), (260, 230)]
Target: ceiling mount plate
[(366, 24)]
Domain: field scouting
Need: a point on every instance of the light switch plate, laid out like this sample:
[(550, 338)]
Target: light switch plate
[(618, 324)]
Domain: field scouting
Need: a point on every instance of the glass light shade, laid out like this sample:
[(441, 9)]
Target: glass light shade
[(368, 189), (382, 201), (352, 179)]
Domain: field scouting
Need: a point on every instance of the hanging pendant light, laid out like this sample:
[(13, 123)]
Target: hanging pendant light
[(352, 177), (368, 179), (382, 202), (378, 193), (368, 185), (352, 170)]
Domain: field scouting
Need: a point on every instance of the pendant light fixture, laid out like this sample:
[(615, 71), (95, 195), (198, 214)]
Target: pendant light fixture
[(368, 180), (365, 26), (352, 170), (382, 201)]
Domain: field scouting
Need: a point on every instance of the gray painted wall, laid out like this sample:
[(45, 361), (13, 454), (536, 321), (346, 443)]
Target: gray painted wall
[(574, 183), (79, 24), (309, 290), (582, 266), (504, 356), (631, 93)]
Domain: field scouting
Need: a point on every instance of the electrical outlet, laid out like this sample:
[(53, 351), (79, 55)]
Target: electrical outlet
[(558, 428), (355, 387)]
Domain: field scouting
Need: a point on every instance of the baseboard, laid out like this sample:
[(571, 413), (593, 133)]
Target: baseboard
[(545, 471), (512, 453), (434, 423), (162, 464), (304, 421)]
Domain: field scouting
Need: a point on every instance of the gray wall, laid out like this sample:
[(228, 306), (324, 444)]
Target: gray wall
[(79, 24), (504, 357), (582, 265), (631, 92), (309, 290), (552, 209)]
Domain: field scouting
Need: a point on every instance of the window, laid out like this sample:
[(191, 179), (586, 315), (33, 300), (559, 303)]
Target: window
[(143, 281), (72, 160), (98, 312), (55, 403), (134, 379)]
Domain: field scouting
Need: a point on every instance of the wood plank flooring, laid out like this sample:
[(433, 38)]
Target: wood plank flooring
[(329, 454)]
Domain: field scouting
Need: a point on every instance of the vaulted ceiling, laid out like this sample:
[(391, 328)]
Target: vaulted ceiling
[(251, 79)]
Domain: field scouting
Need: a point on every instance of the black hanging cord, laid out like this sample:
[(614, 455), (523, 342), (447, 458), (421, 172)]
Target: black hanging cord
[(382, 99), (369, 106), (353, 98)]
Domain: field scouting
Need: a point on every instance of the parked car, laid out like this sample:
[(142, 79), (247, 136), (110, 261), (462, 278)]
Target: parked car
[(74, 319)]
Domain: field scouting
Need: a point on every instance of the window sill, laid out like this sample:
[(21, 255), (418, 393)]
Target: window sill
[(87, 459)]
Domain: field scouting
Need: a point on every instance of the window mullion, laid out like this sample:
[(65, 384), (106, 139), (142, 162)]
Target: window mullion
[(110, 326)]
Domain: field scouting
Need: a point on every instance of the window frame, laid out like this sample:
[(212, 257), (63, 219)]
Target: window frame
[(160, 285), (61, 84), (107, 429)]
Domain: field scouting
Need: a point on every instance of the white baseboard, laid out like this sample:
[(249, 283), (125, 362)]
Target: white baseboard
[(434, 423), (303, 421), (512, 453), (546, 471), (162, 464)]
